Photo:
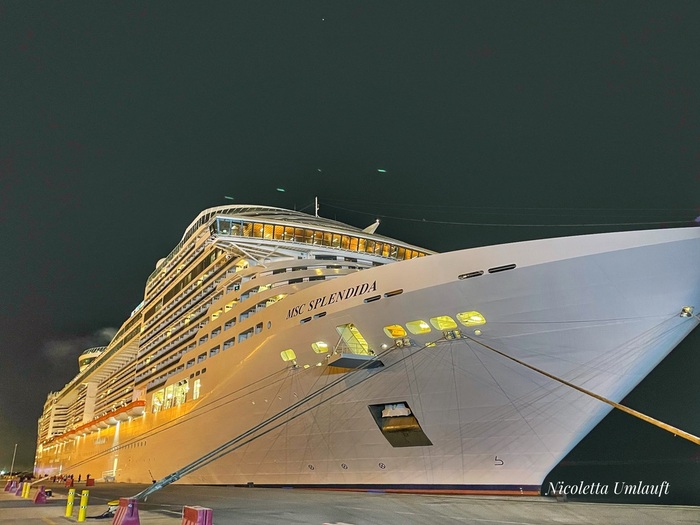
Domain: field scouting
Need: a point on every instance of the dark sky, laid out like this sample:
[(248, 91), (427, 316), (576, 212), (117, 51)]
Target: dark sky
[(120, 121)]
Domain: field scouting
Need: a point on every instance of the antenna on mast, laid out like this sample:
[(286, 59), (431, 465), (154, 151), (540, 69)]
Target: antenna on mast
[(316, 206)]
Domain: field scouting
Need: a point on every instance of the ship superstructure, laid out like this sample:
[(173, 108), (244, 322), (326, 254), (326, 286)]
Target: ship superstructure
[(313, 353)]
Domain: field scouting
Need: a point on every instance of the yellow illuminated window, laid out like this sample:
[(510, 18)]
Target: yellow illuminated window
[(395, 331), (288, 355), (267, 231), (196, 387), (157, 401), (228, 306), (471, 318), (216, 314), (418, 327), (320, 347), (443, 322)]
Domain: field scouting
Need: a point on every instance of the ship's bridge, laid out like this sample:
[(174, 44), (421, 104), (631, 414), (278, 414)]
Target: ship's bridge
[(88, 356), (278, 224)]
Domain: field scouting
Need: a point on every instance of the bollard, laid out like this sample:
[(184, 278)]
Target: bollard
[(8, 485), (69, 503), (25, 490), (41, 495), (197, 516), (127, 513), (83, 505), (20, 489)]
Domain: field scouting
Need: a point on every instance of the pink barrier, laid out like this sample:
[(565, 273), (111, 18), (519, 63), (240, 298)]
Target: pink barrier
[(127, 513), (11, 486), (8, 485), (196, 516), (40, 496), (90, 482), (20, 486)]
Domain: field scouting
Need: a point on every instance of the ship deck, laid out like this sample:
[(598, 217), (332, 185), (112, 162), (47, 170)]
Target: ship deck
[(284, 506)]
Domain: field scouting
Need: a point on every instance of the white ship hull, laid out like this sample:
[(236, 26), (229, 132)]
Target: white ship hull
[(598, 311)]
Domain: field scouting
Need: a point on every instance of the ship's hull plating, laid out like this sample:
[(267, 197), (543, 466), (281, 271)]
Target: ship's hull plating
[(599, 311)]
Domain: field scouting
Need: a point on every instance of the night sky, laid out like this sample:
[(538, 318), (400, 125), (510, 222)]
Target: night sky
[(458, 123)]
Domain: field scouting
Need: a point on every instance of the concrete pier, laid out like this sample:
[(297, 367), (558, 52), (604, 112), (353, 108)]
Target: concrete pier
[(255, 506)]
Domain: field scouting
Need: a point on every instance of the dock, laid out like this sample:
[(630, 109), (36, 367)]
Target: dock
[(257, 506)]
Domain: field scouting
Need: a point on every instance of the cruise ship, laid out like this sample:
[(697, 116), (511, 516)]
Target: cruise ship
[(278, 348)]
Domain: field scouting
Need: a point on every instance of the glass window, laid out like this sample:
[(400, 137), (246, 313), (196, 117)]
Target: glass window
[(471, 318), (443, 322), (353, 244), (168, 396), (288, 355), (401, 255), (318, 237), (279, 232), (320, 347), (247, 229), (157, 401), (288, 233), (395, 331), (257, 230), (181, 390), (362, 245), (196, 388), (224, 225), (299, 235), (418, 327), (267, 231), (336, 240), (308, 236), (327, 238)]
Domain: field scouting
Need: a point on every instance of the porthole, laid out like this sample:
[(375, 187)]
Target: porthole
[(288, 355), (418, 327), (443, 322), (320, 347), (471, 318), (395, 331)]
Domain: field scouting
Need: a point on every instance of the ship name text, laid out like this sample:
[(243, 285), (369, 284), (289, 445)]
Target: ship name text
[(333, 297)]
